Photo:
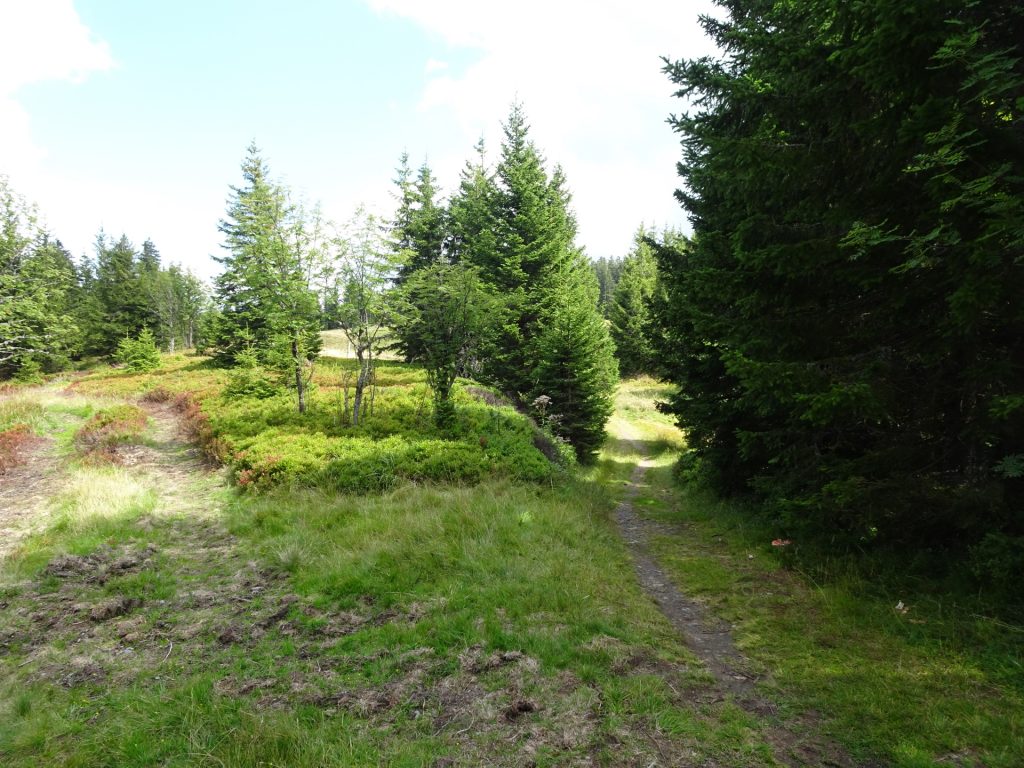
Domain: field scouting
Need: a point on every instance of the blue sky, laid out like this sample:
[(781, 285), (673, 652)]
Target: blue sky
[(134, 116)]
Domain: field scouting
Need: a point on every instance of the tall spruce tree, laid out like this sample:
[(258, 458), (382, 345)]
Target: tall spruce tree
[(264, 293), (845, 328), (401, 228), (427, 228), (471, 214), (607, 270), (533, 265), (36, 278), (119, 287), (534, 232), (629, 307), (576, 365)]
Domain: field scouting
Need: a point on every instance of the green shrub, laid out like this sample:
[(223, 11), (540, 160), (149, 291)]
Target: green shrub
[(29, 372), (267, 443), (248, 378), (108, 428), (998, 561), (139, 354)]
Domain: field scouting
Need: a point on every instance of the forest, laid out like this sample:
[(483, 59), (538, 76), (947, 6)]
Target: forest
[(803, 409)]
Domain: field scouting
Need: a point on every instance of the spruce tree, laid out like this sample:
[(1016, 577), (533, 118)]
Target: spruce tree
[(471, 215), (607, 270), (532, 265), (120, 289), (629, 307), (534, 231), (427, 232), (575, 365), (844, 329), (263, 293), (36, 327), (400, 230)]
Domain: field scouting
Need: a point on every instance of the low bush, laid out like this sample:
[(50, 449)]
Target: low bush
[(139, 354), (29, 372), (13, 442), (266, 442), (248, 378), (98, 438), (270, 444)]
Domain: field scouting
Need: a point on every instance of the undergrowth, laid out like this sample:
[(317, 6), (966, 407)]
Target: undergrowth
[(267, 443), (909, 668), (98, 438)]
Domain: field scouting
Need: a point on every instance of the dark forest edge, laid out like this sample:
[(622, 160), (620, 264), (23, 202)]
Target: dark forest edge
[(846, 325)]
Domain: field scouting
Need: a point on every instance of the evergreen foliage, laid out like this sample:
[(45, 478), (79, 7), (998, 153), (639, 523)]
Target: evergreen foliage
[(607, 271), (444, 314), (472, 223), (426, 228), (846, 327), (531, 263), (249, 378), (264, 293), (418, 233), (575, 369), (119, 288), (139, 354), (629, 308), (36, 278)]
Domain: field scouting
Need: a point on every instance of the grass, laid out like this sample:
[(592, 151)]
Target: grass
[(425, 623), (930, 684), (162, 619)]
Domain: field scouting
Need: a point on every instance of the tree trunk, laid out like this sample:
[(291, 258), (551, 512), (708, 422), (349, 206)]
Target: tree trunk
[(170, 345), (298, 375)]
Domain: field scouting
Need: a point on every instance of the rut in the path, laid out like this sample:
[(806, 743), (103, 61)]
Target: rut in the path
[(711, 641), (25, 491)]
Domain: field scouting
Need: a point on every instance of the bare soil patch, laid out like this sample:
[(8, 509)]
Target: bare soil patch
[(27, 483), (710, 639)]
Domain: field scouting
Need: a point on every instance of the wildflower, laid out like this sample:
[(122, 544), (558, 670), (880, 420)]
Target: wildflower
[(781, 542)]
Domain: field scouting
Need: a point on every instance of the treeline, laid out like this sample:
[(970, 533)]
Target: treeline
[(488, 283), (627, 290), (847, 326), (55, 309)]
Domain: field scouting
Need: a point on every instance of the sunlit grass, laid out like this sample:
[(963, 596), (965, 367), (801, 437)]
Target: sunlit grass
[(96, 505), (501, 565), (918, 688)]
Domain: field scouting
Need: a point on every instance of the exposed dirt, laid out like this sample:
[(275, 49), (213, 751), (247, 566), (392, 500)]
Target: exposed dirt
[(710, 639), (25, 491), (184, 596), (707, 637)]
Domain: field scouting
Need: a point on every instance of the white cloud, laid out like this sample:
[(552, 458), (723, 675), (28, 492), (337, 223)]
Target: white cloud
[(589, 75), (39, 40), (433, 65), (45, 40)]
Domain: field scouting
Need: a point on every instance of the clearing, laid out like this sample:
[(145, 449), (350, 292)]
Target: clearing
[(152, 615)]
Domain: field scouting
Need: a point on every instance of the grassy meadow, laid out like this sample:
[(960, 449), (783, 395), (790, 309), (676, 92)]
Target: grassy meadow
[(166, 613)]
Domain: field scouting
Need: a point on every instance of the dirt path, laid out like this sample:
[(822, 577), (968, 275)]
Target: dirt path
[(794, 743), (25, 493), (709, 639)]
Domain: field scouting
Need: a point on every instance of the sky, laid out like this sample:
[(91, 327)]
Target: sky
[(134, 116)]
